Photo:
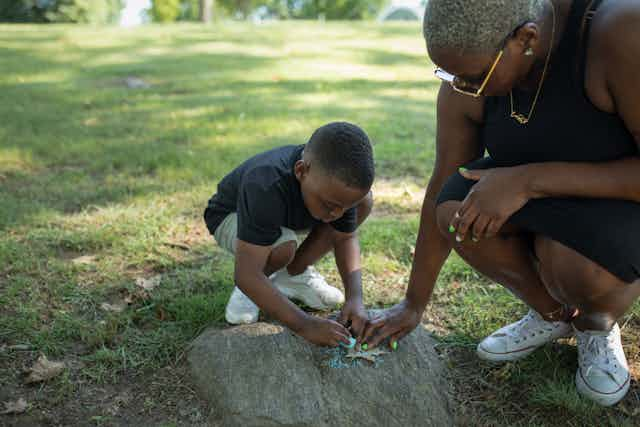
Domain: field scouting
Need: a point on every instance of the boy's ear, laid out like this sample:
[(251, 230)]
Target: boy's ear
[(301, 168)]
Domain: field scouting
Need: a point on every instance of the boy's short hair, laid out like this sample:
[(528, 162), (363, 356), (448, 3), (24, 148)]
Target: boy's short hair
[(343, 150)]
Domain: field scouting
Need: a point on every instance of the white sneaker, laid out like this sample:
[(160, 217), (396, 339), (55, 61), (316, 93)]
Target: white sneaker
[(308, 287), (521, 338), (240, 309), (603, 373)]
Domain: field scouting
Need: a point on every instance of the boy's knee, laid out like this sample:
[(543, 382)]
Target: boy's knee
[(444, 215), (282, 255)]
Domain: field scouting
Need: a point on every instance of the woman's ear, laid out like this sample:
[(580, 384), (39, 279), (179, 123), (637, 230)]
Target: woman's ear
[(526, 39)]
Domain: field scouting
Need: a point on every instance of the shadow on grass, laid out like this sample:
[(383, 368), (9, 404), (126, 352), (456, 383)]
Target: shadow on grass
[(90, 143)]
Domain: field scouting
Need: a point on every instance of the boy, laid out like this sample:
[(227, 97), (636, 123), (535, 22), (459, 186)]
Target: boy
[(322, 186)]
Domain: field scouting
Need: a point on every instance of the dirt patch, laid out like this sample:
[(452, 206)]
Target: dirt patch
[(157, 398)]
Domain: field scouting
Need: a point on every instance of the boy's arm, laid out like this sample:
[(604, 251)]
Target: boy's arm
[(249, 277), (347, 255)]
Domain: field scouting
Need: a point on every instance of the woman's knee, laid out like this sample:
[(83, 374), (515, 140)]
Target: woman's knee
[(573, 278), (444, 214)]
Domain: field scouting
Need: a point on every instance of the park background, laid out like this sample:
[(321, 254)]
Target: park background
[(118, 118)]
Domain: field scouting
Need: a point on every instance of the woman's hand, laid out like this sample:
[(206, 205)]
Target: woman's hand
[(497, 194), (395, 322)]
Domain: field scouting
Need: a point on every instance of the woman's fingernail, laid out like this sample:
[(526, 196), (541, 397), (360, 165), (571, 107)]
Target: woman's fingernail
[(475, 240), (458, 238), (463, 169), (452, 229), (394, 345), (364, 346)]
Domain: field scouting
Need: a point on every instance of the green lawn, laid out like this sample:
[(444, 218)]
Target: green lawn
[(101, 185)]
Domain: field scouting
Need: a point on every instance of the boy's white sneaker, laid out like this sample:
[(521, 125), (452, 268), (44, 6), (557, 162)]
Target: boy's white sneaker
[(240, 309), (603, 374), (309, 287), (519, 339)]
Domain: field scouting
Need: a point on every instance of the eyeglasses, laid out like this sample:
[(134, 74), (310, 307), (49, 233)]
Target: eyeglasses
[(460, 85)]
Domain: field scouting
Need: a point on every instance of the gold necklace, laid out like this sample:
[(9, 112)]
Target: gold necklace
[(520, 118)]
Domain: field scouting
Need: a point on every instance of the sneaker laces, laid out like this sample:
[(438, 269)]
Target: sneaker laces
[(599, 351), (529, 326)]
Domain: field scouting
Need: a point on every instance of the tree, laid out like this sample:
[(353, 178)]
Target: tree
[(206, 10), (326, 9), (78, 11), (165, 10), (240, 8)]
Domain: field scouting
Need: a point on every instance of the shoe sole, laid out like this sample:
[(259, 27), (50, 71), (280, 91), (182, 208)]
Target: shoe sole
[(504, 357), (512, 355), (604, 399), (240, 320)]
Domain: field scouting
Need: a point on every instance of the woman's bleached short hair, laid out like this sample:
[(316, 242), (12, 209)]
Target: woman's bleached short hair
[(476, 26)]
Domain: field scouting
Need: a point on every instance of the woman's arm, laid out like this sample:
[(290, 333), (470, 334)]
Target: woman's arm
[(457, 142), (613, 85)]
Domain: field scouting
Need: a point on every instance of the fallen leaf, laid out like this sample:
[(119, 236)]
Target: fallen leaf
[(116, 308), (20, 347), (84, 260), (369, 355), (177, 245), (44, 370), (150, 283), (132, 297), (17, 407)]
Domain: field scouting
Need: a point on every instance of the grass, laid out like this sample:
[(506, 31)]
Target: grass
[(101, 185)]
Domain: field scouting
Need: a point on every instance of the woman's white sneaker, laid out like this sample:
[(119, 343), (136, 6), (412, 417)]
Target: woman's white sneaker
[(603, 374), (309, 287), (521, 338), (240, 309)]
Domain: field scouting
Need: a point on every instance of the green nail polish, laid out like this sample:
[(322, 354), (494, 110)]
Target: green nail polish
[(462, 169), (364, 346), (394, 345), (452, 229)]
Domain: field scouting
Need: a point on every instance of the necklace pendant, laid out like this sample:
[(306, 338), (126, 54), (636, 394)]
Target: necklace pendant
[(520, 118)]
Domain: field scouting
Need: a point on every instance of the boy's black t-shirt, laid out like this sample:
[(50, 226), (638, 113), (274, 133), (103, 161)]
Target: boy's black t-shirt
[(265, 193)]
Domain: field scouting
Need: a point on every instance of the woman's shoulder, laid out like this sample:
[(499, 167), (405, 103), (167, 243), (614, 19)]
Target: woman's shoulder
[(613, 50), (453, 106), (616, 25)]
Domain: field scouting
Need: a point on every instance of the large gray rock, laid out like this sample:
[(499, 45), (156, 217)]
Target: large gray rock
[(262, 375)]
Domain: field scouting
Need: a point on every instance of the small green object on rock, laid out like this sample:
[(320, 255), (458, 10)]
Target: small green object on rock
[(352, 343)]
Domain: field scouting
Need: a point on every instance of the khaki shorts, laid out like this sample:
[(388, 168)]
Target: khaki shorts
[(227, 234)]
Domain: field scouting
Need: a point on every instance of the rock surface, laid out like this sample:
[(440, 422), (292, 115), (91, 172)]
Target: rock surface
[(264, 375)]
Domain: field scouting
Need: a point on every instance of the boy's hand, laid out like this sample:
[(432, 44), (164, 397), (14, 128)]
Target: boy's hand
[(324, 332), (353, 311)]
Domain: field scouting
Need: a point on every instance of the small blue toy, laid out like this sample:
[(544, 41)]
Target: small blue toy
[(352, 343)]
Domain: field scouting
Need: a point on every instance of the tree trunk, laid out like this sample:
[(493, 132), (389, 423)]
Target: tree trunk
[(206, 11)]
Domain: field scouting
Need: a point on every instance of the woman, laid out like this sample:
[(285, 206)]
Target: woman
[(551, 90)]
